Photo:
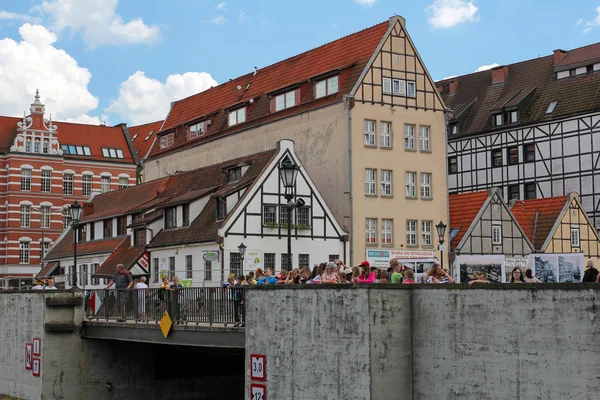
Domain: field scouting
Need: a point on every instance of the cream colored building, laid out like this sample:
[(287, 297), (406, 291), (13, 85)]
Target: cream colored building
[(367, 122)]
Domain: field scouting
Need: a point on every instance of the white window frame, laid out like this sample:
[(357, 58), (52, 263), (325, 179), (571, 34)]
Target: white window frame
[(387, 85), (197, 130), (514, 117), (410, 184), (386, 183), (285, 100), (66, 218), (370, 182), (123, 182), (26, 179), (563, 74), (25, 216), (24, 251), (86, 184), (46, 181), (411, 89), (411, 232), (165, 141), (68, 183), (497, 119), (387, 231), (326, 87), (424, 138), (426, 236), (575, 237), (385, 134), (409, 137), (425, 185), (399, 87), (105, 184), (370, 133), (371, 231), (496, 233), (236, 117), (45, 216)]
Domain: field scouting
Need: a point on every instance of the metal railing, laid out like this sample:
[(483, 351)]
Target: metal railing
[(185, 305)]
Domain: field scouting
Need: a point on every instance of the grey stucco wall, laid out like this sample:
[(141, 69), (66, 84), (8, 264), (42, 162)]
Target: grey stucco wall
[(420, 342)]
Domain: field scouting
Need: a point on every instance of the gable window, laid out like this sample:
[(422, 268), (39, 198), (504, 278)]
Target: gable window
[(452, 165), (25, 216), (496, 158), (514, 117), (326, 87), (497, 119), (105, 184), (171, 217), (387, 231), (385, 135), (68, 183), (86, 185), (530, 191), (269, 214), (189, 268), (123, 182), (46, 180), (514, 192), (386, 182), (285, 100), (370, 182), (371, 231), (139, 237), (283, 216), (221, 208), (45, 216), (235, 264), (45, 146), (165, 141), (303, 216), (234, 174), (574, 237), (107, 228), (410, 183), (237, 116), (424, 139), (197, 130), (409, 137), (513, 155), (399, 87), (425, 185), (369, 133), (24, 252), (121, 225), (426, 233), (411, 232), (496, 234), (529, 152), (387, 86), (25, 179)]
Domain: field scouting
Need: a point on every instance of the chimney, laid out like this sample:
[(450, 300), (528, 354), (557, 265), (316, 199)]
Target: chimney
[(558, 55), (499, 74), (453, 85)]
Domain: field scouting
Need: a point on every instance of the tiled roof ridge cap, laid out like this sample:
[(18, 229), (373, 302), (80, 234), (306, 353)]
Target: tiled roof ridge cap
[(147, 123), (128, 187), (185, 171)]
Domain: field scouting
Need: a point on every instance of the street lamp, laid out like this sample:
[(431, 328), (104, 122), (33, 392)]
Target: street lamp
[(288, 171), (242, 251), (75, 210), (441, 231)]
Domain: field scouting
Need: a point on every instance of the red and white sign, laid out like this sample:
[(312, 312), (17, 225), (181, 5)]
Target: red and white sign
[(37, 366), (411, 254), (258, 391), (95, 302), (28, 355), (37, 347), (258, 367), (143, 261)]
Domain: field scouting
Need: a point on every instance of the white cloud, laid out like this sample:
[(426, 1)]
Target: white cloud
[(5, 15), (593, 23), (579, 22), (449, 77), (449, 13), (142, 99), (221, 6), (34, 63), (365, 2), (97, 21), (333, 25), (218, 20), (242, 17), (88, 119), (486, 67)]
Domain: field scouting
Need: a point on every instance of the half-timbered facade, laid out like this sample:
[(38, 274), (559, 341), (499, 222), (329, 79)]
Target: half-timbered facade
[(368, 123), (47, 165), (530, 128)]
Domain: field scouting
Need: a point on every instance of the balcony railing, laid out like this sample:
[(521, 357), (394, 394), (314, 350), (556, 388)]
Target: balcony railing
[(185, 305)]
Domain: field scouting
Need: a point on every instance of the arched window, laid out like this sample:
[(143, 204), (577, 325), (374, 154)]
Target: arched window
[(26, 177), (46, 146), (25, 216), (36, 146), (24, 250), (28, 146), (105, 182)]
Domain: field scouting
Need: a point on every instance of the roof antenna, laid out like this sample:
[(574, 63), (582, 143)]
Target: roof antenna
[(255, 71)]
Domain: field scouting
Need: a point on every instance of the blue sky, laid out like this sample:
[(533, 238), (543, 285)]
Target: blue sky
[(126, 60)]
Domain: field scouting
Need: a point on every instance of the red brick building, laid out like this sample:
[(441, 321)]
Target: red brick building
[(44, 167)]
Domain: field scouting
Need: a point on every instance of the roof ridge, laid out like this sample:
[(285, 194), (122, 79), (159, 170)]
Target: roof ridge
[(147, 123), (222, 162)]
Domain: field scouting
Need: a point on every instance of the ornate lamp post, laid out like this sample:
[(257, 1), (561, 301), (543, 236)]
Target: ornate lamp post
[(441, 231), (75, 210), (288, 172), (242, 251)]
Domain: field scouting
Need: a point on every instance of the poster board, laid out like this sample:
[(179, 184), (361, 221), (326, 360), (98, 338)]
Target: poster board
[(252, 260), (491, 264), (558, 268)]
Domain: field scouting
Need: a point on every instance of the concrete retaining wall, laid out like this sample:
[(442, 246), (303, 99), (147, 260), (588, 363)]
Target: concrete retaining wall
[(427, 342)]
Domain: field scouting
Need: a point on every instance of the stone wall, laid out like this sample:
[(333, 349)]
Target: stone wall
[(424, 342)]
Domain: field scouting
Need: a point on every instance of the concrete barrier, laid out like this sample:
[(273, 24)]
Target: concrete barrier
[(424, 342)]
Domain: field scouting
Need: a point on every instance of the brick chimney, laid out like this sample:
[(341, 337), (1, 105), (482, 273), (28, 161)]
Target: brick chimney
[(558, 55), (453, 86), (499, 74)]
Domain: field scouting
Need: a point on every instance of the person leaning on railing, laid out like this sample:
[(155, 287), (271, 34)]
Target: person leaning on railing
[(123, 280)]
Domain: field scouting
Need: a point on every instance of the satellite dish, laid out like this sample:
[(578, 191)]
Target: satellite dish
[(239, 87), (251, 101)]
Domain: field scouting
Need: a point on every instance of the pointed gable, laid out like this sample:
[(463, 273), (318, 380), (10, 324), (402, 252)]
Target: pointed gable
[(464, 207), (538, 217), (143, 137)]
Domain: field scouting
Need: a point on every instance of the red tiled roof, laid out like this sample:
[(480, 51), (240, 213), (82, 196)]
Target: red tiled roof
[(538, 216), (124, 254), (142, 137), (122, 201), (48, 268), (64, 247), (464, 207), (350, 55), (574, 95), (576, 56), (94, 136)]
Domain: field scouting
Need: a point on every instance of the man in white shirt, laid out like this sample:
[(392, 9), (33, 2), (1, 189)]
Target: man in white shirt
[(141, 289)]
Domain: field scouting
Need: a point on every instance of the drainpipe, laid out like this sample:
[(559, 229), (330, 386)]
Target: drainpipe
[(349, 99)]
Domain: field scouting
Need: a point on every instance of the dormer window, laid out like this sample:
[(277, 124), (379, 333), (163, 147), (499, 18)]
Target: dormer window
[(551, 107), (514, 117), (234, 174), (497, 119), (563, 74), (453, 129), (581, 71), (171, 217), (285, 100), (237, 116), (221, 208), (167, 140), (197, 130), (326, 87)]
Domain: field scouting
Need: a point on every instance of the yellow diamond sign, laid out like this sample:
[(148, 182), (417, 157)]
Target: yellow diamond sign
[(165, 324)]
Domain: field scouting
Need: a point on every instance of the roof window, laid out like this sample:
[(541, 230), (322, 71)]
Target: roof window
[(563, 74), (135, 136), (237, 116), (167, 140), (234, 174), (326, 87), (551, 107), (112, 153), (76, 150), (581, 71), (285, 100), (148, 137), (197, 130)]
